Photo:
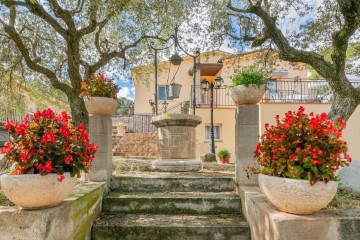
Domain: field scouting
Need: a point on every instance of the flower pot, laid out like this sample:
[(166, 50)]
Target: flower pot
[(243, 95), (101, 106), (33, 191), (297, 196), (224, 160), (174, 90)]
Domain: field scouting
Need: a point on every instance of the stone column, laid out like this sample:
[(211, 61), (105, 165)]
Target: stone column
[(247, 130), (100, 133), (176, 142)]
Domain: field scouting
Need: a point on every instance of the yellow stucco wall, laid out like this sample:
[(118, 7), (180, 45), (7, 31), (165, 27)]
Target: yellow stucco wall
[(224, 117), (351, 133)]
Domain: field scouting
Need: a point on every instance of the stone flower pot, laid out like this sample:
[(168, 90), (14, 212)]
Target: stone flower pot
[(33, 191), (297, 196), (101, 106), (242, 95)]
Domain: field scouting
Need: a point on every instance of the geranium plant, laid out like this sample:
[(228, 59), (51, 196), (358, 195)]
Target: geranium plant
[(99, 86), (48, 144), (302, 146)]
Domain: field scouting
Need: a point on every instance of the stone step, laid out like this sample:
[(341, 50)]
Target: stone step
[(173, 203), (111, 226), (156, 183)]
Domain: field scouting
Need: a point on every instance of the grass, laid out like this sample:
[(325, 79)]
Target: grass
[(345, 199), (4, 201)]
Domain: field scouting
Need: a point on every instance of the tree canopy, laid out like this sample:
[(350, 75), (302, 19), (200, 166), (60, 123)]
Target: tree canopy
[(64, 41)]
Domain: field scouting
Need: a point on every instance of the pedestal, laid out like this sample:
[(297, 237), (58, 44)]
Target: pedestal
[(100, 130), (247, 130), (176, 142)]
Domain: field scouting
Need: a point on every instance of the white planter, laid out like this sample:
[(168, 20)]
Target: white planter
[(101, 106), (33, 191), (242, 95), (297, 196)]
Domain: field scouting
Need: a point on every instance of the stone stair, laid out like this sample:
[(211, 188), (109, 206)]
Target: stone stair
[(171, 207)]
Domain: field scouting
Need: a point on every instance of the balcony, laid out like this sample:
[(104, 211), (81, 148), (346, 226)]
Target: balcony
[(277, 90)]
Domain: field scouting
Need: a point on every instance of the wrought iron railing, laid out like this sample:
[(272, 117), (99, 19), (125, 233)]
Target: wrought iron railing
[(221, 97), (290, 90), (277, 90), (136, 122), (182, 107)]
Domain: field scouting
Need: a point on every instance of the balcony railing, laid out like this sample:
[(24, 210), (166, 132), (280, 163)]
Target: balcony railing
[(290, 90), (221, 97), (277, 90)]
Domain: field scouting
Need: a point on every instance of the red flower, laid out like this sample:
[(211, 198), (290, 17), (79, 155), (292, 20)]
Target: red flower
[(61, 178), (293, 157), (68, 159), (287, 148), (48, 137)]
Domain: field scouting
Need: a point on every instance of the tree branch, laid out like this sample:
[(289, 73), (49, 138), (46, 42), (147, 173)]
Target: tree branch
[(39, 11), (79, 7), (31, 63), (351, 13), (63, 14)]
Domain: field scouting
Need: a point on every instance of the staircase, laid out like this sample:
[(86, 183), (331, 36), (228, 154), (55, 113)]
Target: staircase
[(171, 207)]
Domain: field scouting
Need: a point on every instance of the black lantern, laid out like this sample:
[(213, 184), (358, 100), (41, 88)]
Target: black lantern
[(175, 59), (204, 84), (218, 81)]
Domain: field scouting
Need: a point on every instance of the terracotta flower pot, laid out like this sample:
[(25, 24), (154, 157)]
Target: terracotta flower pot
[(242, 95), (33, 191), (295, 195), (101, 106), (224, 160)]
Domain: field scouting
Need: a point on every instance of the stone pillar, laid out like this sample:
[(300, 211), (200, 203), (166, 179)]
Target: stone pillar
[(100, 130), (247, 130), (176, 142)]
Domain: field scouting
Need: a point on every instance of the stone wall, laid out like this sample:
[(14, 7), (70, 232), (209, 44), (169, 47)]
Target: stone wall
[(72, 219), (176, 142), (135, 145), (267, 223)]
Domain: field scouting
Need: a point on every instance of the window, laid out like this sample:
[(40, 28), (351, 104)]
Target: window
[(163, 93), (217, 132), (280, 73)]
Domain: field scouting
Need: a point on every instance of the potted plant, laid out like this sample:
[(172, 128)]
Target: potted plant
[(298, 159), (46, 154), (224, 155), (121, 128), (100, 95), (247, 86)]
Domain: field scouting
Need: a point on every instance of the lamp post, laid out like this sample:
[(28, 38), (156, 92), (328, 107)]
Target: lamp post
[(206, 86)]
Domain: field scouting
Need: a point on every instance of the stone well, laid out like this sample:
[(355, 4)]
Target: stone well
[(176, 142)]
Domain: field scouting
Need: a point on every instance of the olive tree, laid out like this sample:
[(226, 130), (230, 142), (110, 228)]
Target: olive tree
[(332, 24), (63, 42)]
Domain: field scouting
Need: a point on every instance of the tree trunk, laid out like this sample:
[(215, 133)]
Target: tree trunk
[(342, 107), (78, 111)]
